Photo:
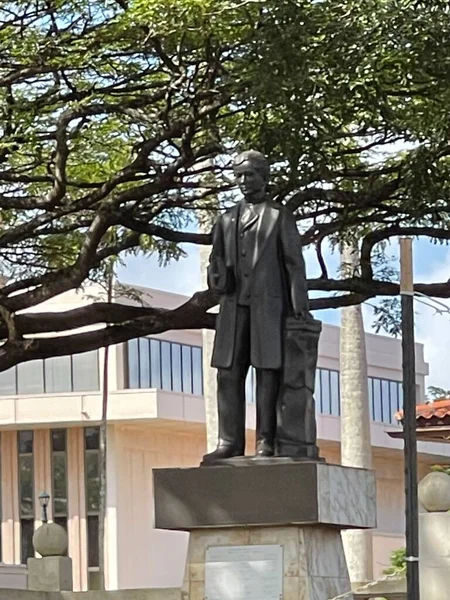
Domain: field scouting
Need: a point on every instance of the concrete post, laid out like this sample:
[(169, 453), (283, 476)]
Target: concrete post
[(52, 572), (356, 449)]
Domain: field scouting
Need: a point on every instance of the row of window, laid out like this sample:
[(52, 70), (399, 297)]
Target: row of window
[(385, 396), (164, 365), (59, 496), (154, 363), (76, 373)]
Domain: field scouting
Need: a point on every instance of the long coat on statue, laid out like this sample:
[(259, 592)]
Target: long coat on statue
[(277, 284)]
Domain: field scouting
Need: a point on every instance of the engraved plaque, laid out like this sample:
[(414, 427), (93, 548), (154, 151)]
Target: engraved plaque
[(244, 573)]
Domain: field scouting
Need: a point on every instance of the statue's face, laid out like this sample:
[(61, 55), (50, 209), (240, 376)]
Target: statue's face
[(250, 181)]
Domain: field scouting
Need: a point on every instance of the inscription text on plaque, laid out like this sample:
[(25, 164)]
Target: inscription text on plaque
[(244, 573)]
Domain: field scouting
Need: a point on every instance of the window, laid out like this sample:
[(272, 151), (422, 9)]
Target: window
[(133, 364), (144, 363), (58, 374), (176, 370), (77, 373), (385, 396), (30, 377), (335, 396), (378, 415), (26, 493), (8, 382), (166, 376), (387, 399), (197, 371), (85, 372), (165, 365), (187, 369), (59, 476), (155, 363), (92, 473)]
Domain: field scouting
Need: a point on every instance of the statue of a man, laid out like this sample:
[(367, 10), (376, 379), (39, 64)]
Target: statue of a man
[(257, 268)]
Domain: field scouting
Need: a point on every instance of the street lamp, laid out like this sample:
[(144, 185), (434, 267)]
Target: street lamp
[(44, 500)]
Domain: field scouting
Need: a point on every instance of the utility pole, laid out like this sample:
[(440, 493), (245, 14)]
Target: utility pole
[(409, 419)]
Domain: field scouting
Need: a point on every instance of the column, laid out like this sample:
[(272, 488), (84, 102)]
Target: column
[(77, 508)]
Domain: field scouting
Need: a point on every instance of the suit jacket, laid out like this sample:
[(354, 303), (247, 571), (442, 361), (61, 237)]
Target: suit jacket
[(277, 284)]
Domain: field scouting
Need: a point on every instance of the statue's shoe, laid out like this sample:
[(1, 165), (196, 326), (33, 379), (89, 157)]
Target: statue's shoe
[(264, 448), (221, 452)]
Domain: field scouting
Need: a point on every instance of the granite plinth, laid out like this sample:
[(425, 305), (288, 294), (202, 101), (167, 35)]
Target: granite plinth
[(292, 493), (314, 565)]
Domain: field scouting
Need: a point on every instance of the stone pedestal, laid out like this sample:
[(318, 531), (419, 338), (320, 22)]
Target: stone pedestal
[(434, 554), (50, 574), (301, 506)]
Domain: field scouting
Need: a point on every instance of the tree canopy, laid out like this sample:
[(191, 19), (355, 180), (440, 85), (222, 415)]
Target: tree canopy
[(119, 120)]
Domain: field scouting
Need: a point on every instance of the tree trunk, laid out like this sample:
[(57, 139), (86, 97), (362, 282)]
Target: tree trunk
[(356, 449), (103, 452)]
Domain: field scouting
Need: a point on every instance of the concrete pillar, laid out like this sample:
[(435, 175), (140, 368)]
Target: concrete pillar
[(356, 449), (209, 374), (10, 499), (77, 507), (52, 572)]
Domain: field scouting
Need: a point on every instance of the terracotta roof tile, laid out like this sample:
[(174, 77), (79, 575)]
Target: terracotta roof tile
[(438, 409)]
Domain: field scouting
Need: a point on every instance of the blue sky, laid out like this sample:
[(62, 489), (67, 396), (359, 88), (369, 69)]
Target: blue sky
[(431, 263)]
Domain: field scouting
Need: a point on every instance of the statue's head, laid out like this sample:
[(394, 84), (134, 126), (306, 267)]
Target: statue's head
[(252, 171)]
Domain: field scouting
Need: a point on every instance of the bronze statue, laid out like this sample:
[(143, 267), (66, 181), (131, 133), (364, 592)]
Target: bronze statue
[(257, 269)]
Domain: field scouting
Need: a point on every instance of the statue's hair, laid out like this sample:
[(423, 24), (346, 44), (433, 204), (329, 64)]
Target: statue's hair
[(258, 160)]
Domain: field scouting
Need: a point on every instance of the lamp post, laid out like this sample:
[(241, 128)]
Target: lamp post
[(44, 500), (409, 419)]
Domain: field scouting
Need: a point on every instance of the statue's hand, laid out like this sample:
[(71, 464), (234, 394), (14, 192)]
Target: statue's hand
[(303, 315)]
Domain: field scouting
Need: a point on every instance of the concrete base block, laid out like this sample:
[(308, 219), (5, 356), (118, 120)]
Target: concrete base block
[(314, 565), (50, 574), (434, 554)]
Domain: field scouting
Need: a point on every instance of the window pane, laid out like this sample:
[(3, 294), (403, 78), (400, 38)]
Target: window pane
[(60, 483), (58, 374), (30, 377), (334, 393), (92, 438), (26, 484), (144, 363), (92, 481), (400, 396), (197, 371), (326, 396), (58, 440), (377, 400), (370, 385), (8, 382), (393, 387), (386, 404), (318, 392), (85, 372), (25, 442), (133, 364), (27, 532), (93, 546), (176, 367), (187, 370), (165, 366), (155, 357)]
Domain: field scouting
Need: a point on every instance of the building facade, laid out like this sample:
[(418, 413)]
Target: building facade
[(49, 440)]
